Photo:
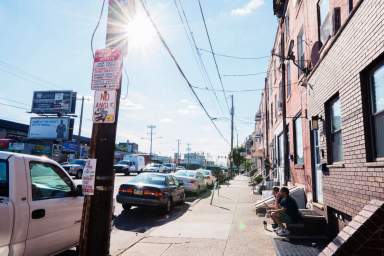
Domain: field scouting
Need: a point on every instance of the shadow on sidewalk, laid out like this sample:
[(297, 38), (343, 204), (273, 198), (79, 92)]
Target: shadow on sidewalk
[(141, 219)]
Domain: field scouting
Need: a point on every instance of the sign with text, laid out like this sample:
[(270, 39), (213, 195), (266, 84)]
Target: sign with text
[(104, 108), (50, 128), (89, 173), (107, 67), (54, 102)]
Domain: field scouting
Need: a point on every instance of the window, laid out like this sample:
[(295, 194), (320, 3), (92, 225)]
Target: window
[(336, 19), (280, 141), (4, 183), (300, 52), (324, 20), (377, 109), (335, 145), (48, 181), (171, 181), (287, 28), (271, 114), (276, 107), (350, 5), (288, 79), (298, 137)]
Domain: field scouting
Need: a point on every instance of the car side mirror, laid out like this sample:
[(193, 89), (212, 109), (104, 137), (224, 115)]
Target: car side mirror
[(78, 191)]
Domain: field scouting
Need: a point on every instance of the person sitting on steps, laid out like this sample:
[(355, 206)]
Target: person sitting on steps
[(288, 214), (276, 204)]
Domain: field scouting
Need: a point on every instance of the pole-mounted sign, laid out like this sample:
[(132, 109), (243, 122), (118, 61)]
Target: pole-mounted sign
[(104, 108), (107, 67)]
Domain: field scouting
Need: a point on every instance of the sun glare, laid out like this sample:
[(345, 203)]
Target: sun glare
[(140, 33)]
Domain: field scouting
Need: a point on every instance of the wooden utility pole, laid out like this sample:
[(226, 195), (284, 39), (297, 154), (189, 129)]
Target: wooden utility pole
[(97, 210), (232, 127)]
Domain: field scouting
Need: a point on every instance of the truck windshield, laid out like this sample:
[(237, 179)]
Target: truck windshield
[(4, 187)]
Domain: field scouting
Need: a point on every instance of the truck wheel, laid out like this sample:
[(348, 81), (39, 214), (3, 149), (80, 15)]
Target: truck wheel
[(127, 207), (79, 174)]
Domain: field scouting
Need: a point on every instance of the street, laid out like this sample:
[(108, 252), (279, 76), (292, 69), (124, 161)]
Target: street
[(227, 227)]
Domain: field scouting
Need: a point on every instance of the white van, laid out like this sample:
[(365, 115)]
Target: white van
[(40, 206), (138, 163)]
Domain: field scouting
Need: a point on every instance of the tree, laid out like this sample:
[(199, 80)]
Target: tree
[(237, 157)]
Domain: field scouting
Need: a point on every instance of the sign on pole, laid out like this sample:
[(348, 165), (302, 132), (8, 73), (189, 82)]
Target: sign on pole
[(89, 177), (104, 108), (107, 67)]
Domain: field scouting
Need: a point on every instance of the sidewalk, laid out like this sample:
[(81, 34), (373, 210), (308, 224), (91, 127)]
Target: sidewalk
[(229, 227)]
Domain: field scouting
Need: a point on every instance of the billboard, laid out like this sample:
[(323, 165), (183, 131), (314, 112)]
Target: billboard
[(50, 128), (54, 102)]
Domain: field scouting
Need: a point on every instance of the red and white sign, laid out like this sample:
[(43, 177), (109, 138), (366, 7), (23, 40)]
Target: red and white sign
[(89, 173), (104, 108), (107, 68)]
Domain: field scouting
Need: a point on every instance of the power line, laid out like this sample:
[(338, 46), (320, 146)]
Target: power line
[(180, 69), (96, 27), (237, 91), (213, 55), (14, 101), (234, 57), (193, 44), (249, 74), (13, 106)]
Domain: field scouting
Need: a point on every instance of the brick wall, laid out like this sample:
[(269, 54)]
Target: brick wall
[(350, 186)]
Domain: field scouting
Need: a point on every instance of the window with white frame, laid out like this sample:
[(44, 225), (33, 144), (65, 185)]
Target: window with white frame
[(300, 52), (298, 137), (334, 124), (325, 20)]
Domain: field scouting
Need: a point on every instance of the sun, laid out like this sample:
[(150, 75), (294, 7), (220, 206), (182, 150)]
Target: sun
[(140, 33)]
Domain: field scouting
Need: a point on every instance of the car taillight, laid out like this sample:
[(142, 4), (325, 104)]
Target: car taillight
[(148, 192), (126, 190)]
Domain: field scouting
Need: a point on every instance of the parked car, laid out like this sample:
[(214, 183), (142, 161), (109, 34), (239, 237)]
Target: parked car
[(209, 178), (151, 189), (75, 167), (153, 167), (40, 206), (193, 180), (170, 167)]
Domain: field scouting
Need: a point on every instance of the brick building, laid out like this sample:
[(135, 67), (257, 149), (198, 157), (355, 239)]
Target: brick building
[(334, 88)]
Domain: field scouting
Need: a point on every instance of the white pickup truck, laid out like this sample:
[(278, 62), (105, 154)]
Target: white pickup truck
[(40, 206)]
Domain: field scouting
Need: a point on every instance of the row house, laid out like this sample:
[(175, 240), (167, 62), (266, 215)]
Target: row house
[(327, 73)]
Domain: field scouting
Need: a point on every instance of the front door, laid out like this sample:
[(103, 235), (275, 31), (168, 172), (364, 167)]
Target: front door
[(6, 210), (317, 165), (55, 213)]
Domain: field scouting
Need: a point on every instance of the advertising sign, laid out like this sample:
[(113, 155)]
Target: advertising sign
[(107, 67), (89, 177), (54, 102), (50, 128), (70, 147), (104, 108)]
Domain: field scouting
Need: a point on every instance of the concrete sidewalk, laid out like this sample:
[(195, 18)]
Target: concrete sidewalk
[(228, 227)]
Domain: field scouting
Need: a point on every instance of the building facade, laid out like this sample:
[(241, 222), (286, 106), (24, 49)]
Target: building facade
[(332, 52)]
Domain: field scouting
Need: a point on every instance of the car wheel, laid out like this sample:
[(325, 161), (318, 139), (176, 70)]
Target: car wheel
[(127, 207), (79, 174), (168, 206)]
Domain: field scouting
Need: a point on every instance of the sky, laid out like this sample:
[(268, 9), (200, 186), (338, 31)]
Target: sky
[(45, 45)]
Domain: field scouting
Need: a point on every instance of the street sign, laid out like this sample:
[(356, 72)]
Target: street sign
[(54, 102), (107, 67), (50, 128), (89, 177), (104, 108)]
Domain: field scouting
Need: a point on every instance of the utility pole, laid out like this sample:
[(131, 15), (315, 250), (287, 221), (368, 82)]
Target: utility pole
[(284, 108), (188, 153), (97, 210), (151, 128), (178, 152), (232, 126), (80, 125)]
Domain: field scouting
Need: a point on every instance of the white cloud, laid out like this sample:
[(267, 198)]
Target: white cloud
[(130, 105), (248, 8), (166, 120), (189, 109)]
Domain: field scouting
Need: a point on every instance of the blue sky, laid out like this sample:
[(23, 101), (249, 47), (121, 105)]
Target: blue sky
[(46, 45)]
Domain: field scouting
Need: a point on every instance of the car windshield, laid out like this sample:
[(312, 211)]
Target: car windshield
[(168, 165), (206, 172), (149, 179), (123, 162), (77, 161), (186, 173)]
